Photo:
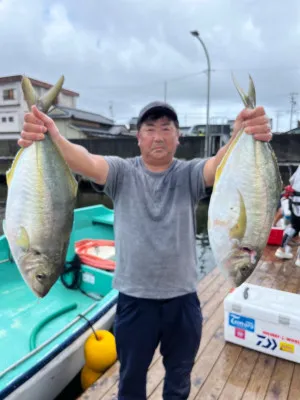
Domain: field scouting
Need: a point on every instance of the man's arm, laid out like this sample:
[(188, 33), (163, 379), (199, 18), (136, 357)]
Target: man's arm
[(254, 122), (77, 157), (211, 165)]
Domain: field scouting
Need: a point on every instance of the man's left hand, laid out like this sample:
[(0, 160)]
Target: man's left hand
[(255, 122)]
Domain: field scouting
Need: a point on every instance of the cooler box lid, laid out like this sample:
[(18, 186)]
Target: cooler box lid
[(266, 304)]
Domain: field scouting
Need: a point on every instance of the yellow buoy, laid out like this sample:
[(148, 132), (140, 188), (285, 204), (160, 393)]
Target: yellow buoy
[(100, 353), (88, 377)]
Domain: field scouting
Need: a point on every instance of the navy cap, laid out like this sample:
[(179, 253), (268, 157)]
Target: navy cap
[(156, 106)]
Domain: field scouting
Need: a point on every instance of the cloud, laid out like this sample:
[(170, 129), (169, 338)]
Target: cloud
[(129, 52)]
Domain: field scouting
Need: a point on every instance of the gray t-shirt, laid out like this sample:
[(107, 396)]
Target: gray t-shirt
[(155, 226)]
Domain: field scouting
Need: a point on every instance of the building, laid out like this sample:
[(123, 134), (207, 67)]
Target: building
[(72, 122), (13, 105), (78, 124), (294, 131)]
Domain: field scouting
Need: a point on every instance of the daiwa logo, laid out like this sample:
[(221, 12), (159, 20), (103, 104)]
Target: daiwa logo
[(238, 321)]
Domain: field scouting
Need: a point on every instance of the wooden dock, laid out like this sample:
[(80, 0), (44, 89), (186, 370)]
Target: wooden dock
[(223, 370)]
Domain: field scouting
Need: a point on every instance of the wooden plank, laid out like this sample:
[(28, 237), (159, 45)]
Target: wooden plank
[(258, 384), (205, 363), (239, 376), (205, 282), (268, 274), (213, 386), (226, 373), (225, 370), (280, 381), (211, 290), (283, 382), (212, 319), (102, 385), (294, 392), (107, 386), (202, 368)]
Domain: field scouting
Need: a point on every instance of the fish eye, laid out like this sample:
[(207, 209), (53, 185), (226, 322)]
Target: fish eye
[(244, 269), (41, 277)]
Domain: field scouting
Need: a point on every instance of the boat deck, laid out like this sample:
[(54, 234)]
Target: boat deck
[(224, 370)]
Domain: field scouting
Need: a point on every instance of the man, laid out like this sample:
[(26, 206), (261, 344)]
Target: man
[(292, 208), (155, 196)]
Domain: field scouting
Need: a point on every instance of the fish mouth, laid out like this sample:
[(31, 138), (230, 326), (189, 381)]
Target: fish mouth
[(240, 264), (251, 253), (40, 293)]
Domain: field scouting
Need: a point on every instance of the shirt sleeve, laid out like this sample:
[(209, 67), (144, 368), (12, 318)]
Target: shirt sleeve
[(116, 169), (197, 183)]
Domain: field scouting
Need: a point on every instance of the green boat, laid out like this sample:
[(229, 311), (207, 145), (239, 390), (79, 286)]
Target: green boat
[(42, 340)]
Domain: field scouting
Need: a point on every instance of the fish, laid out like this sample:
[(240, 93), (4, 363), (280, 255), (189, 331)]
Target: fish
[(41, 198), (243, 201)]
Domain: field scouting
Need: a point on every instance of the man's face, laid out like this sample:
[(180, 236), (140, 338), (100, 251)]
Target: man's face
[(158, 139)]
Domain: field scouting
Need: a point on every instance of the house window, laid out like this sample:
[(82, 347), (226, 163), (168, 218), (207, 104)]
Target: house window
[(11, 119), (8, 94), (3, 119)]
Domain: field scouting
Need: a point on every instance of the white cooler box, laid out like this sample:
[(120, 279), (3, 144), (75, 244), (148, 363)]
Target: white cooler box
[(267, 320)]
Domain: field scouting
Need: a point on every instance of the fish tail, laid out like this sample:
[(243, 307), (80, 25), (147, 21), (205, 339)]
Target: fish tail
[(30, 95), (249, 99), (46, 100)]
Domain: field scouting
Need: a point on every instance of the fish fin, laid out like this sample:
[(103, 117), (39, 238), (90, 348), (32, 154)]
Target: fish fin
[(45, 101), (10, 172), (249, 99), (23, 238), (239, 229)]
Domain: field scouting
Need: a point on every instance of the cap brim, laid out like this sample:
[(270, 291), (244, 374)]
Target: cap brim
[(165, 110)]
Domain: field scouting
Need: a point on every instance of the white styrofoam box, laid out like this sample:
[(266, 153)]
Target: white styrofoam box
[(266, 320)]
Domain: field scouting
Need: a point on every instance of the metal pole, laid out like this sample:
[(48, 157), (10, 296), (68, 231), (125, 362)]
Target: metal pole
[(207, 137)]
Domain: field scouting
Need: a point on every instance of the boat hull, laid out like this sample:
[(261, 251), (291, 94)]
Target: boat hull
[(49, 381), (42, 349)]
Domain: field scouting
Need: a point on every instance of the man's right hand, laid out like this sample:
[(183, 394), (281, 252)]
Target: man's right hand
[(36, 124)]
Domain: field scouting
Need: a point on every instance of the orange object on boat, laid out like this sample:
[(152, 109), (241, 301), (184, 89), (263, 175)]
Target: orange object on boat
[(91, 252)]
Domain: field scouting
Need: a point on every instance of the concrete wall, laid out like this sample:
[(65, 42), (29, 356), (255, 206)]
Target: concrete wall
[(286, 147)]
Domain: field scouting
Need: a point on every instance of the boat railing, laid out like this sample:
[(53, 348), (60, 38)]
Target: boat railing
[(37, 349)]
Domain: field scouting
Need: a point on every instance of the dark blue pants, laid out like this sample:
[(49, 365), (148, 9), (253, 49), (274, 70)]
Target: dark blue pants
[(140, 325)]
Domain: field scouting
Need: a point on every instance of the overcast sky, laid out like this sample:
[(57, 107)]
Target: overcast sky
[(121, 52)]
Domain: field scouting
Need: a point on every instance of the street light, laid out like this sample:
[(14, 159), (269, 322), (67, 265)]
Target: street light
[(207, 141)]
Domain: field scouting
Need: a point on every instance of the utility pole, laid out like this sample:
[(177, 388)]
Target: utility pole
[(293, 104), (207, 137), (111, 109), (277, 120)]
